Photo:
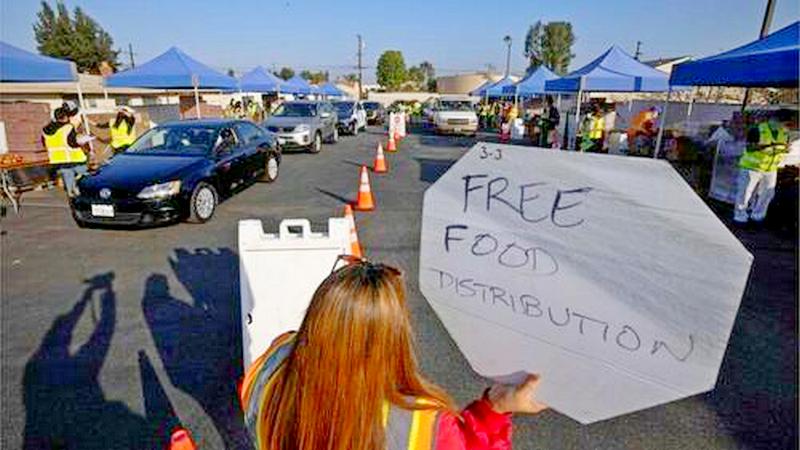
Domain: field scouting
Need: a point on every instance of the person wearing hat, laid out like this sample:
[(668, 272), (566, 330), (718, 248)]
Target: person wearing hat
[(64, 146), (121, 129)]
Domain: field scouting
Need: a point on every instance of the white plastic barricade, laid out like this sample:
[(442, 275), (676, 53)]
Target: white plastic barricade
[(397, 123), (278, 274)]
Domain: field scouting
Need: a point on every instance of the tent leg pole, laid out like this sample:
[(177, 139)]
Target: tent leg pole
[(82, 106), (558, 102), (574, 142), (663, 122), (691, 106), (197, 101)]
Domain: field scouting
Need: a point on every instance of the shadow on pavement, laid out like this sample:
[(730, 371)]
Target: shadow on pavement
[(336, 196), (65, 407), (756, 392), (432, 169), (199, 342)]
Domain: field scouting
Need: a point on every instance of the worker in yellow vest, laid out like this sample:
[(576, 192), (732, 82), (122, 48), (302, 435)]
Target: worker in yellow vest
[(592, 129), (348, 379), (121, 129), (64, 148), (767, 145)]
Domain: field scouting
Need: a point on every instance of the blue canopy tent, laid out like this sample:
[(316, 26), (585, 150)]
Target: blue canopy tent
[(17, 65), (532, 84), (613, 71), (298, 85), (260, 80), (496, 89), (769, 62), (330, 89), (173, 69)]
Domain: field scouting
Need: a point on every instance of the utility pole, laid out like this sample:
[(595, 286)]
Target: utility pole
[(638, 53), (766, 23), (507, 40), (360, 67), (130, 55)]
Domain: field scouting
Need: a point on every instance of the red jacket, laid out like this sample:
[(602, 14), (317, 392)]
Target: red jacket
[(479, 428)]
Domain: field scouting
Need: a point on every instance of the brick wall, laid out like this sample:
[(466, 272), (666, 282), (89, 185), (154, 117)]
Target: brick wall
[(24, 122), (189, 109)]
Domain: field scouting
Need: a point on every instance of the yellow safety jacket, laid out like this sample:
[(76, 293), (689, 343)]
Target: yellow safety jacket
[(122, 135), (58, 149), (597, 127), (770, 151), (405, 429)]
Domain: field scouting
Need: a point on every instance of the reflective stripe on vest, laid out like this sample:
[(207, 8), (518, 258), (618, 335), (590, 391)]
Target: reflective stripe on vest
[(770, 151), (121, 135), (405, 429), (58, 149)]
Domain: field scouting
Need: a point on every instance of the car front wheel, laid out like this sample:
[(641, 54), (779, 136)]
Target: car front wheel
[(355, 129), (316, 146), (334, 136), (271, 167), (203, 203)]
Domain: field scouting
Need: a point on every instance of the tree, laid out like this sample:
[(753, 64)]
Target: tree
[(391, 71), (78, 38), (415, 75), (350, 78), (550, 45), (314, 77), (285, 73)]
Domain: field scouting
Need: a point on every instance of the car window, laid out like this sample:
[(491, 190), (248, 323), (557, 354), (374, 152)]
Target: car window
[(177, 139), (248, 133), (296, 110)]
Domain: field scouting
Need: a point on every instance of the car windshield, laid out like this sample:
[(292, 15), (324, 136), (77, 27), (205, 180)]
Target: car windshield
[(344, 108), (371, 106), (455, 105), (183, 139), (296, 110)]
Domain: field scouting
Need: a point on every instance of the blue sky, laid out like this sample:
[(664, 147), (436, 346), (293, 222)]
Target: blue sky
[(455, 35)]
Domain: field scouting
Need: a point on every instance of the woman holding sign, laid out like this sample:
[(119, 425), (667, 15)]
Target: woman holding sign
[(348, 379)]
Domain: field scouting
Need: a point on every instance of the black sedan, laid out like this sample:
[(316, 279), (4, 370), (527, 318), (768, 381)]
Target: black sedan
[(177, 171)]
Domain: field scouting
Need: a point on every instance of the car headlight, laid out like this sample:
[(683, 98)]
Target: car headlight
[(302, 128), (162, 190)]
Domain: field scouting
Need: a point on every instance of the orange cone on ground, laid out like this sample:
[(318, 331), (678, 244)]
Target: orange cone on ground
[(365, 202), (380, 166), (355, 246), (391, 146), (181, 440), (397, 137)]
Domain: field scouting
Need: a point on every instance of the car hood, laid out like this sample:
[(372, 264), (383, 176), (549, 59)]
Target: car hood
[(133, 172), (444, 115), (287, 121)]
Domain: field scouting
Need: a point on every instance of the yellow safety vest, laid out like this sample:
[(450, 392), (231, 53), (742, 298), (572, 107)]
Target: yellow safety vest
[(122, 135), (597, 128), (772, 147), (405, 429), (58, 149)]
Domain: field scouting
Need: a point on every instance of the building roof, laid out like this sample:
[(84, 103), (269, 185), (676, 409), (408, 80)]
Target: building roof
[(90, 85)]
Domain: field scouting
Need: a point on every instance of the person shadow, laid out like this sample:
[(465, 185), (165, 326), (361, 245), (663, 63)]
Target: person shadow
[(65, 407), (200, 342)]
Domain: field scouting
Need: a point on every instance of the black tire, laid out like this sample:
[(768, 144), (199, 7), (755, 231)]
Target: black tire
[(200, 211), (271, 168), (334, 136), (355, 129), (316, 146)]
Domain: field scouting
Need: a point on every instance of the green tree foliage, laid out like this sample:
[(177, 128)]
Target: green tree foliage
[(285, 73), (391, 71), (76, 37), (415, 75), (350, 78), (550, 45), (314, 77)]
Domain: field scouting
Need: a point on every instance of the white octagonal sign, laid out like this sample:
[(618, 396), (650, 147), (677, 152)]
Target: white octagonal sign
[(605, 274)]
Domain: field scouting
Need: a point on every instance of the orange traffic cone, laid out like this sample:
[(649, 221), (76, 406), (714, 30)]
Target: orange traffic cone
[(181, 440), (365, 200), (379, 166), (355, 246), (397, 137), (391, 146)]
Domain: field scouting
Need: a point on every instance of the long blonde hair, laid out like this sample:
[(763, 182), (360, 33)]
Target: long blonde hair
[(353, 352)]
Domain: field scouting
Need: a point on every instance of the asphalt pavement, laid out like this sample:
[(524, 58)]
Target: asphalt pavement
[(111, 337)]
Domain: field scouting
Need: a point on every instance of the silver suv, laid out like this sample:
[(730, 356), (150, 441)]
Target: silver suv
[(304, 124)]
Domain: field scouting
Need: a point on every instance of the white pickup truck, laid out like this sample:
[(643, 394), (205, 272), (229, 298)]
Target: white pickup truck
[(455, 115)]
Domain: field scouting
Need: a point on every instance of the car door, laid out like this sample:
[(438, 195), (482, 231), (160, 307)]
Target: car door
[(228, 159), (361, 115), (253, 158), (329, 119)]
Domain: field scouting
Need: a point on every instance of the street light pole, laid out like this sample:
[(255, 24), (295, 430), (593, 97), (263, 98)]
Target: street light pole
[(360, 68), (507, 40)]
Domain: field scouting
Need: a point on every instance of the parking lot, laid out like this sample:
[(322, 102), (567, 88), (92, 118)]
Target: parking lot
[(112, 336)]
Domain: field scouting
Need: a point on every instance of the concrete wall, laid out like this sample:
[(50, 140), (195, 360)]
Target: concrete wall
[(387, 98), (460, 84)]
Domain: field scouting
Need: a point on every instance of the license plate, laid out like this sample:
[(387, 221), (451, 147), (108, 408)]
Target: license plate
[(457, 130), (103, 210)]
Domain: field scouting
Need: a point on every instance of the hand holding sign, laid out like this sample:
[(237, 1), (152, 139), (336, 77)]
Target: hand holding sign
[(608, 275)]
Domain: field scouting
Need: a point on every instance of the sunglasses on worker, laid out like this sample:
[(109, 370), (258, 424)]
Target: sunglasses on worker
[(370, 267)]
